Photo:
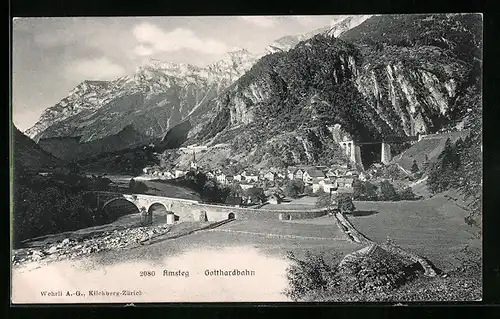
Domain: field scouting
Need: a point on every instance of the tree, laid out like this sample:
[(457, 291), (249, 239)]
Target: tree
[(407, 194), (137, 186), (256, 195), (131, 184), (388, 192), (309, 191), (294, 188), (345, 204), (324, 200), (370, 191), (235, 190), (392, 172), (443, 172), (359, 190), (414, 167)]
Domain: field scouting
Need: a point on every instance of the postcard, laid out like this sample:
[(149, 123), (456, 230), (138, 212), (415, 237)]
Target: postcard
[(326, 158)]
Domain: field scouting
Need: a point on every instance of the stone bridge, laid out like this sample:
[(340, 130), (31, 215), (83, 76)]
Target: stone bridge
[(191, 210)]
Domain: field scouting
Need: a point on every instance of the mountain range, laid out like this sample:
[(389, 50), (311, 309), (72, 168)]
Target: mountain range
[(364, 76)]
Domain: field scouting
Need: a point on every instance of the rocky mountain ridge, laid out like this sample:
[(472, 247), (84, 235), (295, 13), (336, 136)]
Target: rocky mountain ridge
[(392, 75), (367, 77), (158, 93), (337, 27)]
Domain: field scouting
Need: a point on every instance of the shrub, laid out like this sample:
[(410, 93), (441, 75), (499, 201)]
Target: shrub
[(388, 192), (309, 191), (364, 190), (324, 200), (307, 276), (294, 188), (137, 186), (407, 194), (414, 167), (312, 277), (345, 204)]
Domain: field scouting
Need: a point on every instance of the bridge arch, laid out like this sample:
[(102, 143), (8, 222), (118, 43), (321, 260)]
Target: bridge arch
[(231, 216), (160, 211), (115, 208)]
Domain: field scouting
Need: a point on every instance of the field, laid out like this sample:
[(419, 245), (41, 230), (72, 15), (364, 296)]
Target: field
[(155, 187), (159, 188), (306, 202), (324, 228), (269, 246), (430, 146), (433, 228)]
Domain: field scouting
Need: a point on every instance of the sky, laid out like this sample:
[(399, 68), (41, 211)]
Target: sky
[(51, 56)]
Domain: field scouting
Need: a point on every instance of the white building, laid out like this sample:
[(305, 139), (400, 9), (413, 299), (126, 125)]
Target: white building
[(328, 185), (221, 178), (311, 174), (270, 176), (179, 173), (210, 175)]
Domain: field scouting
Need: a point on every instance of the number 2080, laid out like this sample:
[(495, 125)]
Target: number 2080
[(146, 273)]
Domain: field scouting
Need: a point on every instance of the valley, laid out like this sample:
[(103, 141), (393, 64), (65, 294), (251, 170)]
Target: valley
[(361, 136)]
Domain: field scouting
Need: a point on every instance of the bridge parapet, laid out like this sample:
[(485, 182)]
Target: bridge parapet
[(190, 210)]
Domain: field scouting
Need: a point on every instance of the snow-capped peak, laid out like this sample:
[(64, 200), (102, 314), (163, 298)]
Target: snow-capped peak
[(346, 23), (339, 25)]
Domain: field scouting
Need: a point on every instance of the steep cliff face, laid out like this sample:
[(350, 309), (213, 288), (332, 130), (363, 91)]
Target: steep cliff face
[(410, 96), (372, 83)]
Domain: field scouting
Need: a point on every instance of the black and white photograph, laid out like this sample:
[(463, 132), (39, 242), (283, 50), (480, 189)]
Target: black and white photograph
[(292, 158)]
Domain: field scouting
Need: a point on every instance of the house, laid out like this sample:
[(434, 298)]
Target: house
[(330, 173), (238, 177), (179, 173), (221, 178), (316, 185), (251, 177), (328, 185), (298, 174), (246, 186), (270, 176), (275, 199), (352, 173), (210, 175), (167, 175), (339, 172), (229, 179), (345, 182), (308, 175)]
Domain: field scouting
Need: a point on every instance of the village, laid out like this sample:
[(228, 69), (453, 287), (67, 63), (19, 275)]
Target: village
[(335, 180)]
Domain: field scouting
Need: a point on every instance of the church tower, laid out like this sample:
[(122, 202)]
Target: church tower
[(193, 162)]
